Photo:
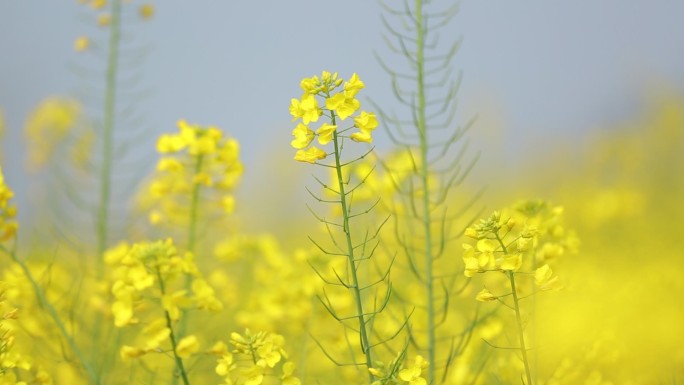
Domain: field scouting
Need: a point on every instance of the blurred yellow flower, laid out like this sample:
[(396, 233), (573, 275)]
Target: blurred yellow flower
[(170, 143), (412, 374), (225, 364), (127, 352), (146, 11), (511, 262), (228, 204), (104, 19), (545, 279), (219, 348), (288, 377), (484, 296), (123, 313), (204, 296), (155, 333), (200, 163), (48, 125), (81, 43), (187, 346), (8, 226), (98, 4)]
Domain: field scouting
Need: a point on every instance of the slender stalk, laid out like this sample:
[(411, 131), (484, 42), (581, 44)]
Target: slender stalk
[(518, 317), (172, 336), (532, 331), (521, 335), (192, 235), (108, 121), (108, 131), (194, 207), (427, 220), (365, 345), (43, 301)]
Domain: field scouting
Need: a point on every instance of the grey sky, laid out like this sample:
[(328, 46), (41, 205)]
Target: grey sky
[(533, 70)]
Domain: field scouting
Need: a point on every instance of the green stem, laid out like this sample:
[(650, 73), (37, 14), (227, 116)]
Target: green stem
[(518, 317), (192, 235), (43, 301), (109, 110), (365, 345), (172, 335), (427, 220), (194, 207), (521, 335), (192, 226), (107, 132)]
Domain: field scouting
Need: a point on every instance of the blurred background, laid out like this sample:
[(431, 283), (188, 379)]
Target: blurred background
[(577, 102), (536, 74)]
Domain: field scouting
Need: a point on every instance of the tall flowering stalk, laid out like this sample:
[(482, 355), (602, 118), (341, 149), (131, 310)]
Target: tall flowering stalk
[(254, 358), (152, 275), (108, 121), (519, 243), (10, 360), (8, 212), (195, 176), (8, 231), (339, 103)]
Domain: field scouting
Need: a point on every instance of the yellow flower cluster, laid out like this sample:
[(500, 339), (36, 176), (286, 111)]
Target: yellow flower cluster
[(193, 158), (340, 102), (10, 361), (153, 273), (49, 125), (393, 372), (264, 351), (283, 299), (529, 231), (8, 225)]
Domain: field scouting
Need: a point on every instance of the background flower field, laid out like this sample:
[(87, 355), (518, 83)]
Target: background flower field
[(408, 241)]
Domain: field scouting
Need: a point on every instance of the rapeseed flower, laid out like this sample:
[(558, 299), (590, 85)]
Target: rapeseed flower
[(199, 163), (187, 346), (8, 212), (13, 364), (146, 11), (412, 374), (254, 357), (484, 295), (49, 125), (303, 136), (81, 43), (148, 287), (310, 155), (339, 100), (366, 122)]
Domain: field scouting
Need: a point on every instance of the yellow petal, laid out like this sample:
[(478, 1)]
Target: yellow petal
[(187, 346), (512, 262)]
